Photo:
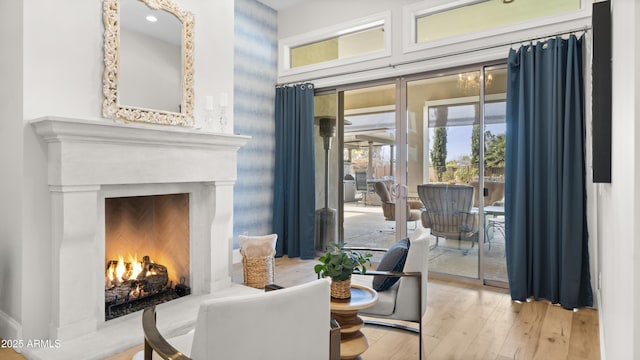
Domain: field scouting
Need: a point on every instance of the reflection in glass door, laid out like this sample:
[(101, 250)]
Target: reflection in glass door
[(446, 121), (369, 166), (495, 141), (326, 171), (444, 116)]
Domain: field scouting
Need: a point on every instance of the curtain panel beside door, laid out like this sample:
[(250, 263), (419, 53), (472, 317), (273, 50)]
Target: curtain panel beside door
[(547, 251), (294, 178)]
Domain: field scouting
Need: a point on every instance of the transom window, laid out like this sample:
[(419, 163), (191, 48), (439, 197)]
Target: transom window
[(359, 40), (339, 47), (459, 25)]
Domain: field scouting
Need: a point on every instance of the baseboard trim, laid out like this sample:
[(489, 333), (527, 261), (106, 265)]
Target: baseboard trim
[(10, 329), (603, 353)]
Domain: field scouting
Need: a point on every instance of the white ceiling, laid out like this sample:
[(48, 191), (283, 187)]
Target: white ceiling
[(281, 4)]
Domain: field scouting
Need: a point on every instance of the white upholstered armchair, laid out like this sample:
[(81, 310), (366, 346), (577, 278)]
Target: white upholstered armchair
[(292, 323), (406, 299)]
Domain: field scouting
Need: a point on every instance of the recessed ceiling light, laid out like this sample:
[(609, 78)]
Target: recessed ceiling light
[(151, 18)]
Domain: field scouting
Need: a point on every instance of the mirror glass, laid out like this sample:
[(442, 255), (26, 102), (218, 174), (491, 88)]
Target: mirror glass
[(148, 62), (150, 57)]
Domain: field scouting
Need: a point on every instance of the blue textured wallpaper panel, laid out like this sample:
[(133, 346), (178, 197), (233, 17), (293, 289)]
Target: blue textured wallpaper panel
[(255, 73)]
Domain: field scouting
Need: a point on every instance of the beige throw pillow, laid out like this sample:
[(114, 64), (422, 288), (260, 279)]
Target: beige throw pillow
[(256, 246)]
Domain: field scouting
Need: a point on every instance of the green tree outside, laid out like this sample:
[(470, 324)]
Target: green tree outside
[(439, 151), (495, 151), (475, 145)]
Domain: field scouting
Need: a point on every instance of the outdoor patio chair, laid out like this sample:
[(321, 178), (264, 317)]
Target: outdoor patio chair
[(384, 189), (361, 185), (447, 211)]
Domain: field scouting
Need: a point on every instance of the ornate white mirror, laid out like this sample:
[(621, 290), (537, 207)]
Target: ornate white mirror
[(148, 62)]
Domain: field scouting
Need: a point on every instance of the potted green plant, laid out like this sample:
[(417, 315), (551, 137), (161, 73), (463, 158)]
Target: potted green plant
[(339, 264)]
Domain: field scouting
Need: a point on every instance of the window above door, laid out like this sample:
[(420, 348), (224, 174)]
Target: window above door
[(359, 40), (430, 24)]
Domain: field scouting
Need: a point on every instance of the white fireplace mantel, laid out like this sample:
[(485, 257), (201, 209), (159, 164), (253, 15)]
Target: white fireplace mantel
[(90, 160), (87, 152)]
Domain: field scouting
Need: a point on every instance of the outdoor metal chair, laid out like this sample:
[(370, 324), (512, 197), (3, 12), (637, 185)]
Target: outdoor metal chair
[(388, 200), (361, 185), (448, 211)]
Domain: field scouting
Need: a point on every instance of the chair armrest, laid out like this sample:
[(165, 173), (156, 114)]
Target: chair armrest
[(389, 210), (426, 219), (364, 248), (334, 340), (415, 204), (391, 273), (271, 287), (383, 273), (153, 340), (470, 221)]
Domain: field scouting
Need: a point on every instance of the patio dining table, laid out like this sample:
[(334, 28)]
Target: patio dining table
[(496, 221)]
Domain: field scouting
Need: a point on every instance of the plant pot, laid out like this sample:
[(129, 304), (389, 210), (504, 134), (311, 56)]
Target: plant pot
[(341, 289)]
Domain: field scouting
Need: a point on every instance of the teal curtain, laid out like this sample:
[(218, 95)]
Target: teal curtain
[(546, 227), (294, 183)]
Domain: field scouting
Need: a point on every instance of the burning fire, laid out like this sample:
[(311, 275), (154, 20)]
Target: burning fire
[(119, 272), (133, 279)]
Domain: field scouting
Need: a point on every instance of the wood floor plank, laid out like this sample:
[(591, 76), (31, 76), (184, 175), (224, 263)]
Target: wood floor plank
[(394, 344), (468, 328), (446, 313), (457, 341), (582, 345), (7, 353), (429, 344), (494, 332), (522, 341), (127, 354), (555, 334)]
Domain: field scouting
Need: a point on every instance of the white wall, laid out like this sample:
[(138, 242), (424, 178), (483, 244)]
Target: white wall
[(11, 158), (56, 69), (618, 213), (214, 52), (313, 15)]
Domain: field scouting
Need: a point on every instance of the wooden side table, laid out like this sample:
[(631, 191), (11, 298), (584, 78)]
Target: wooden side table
[(352, 340)]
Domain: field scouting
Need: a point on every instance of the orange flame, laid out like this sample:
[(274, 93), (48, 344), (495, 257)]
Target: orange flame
[(121, 271)]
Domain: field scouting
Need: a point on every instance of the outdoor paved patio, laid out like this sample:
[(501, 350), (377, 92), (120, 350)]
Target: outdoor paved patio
[(365, 226)]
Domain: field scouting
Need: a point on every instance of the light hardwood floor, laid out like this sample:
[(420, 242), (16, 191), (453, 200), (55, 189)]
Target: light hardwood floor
[(463, 322)]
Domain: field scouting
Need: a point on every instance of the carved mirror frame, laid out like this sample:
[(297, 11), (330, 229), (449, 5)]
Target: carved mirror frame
[(110, 106)]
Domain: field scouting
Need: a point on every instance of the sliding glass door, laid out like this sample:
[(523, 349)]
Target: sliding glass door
[(449, 117), (391, 137), (495, 140), (361, 166), (370, 171)]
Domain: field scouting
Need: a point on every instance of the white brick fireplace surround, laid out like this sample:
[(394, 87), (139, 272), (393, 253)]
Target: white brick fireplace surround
[(90, 160)]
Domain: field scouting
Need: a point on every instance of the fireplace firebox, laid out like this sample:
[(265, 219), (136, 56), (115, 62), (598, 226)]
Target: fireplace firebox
[(156, 226)]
